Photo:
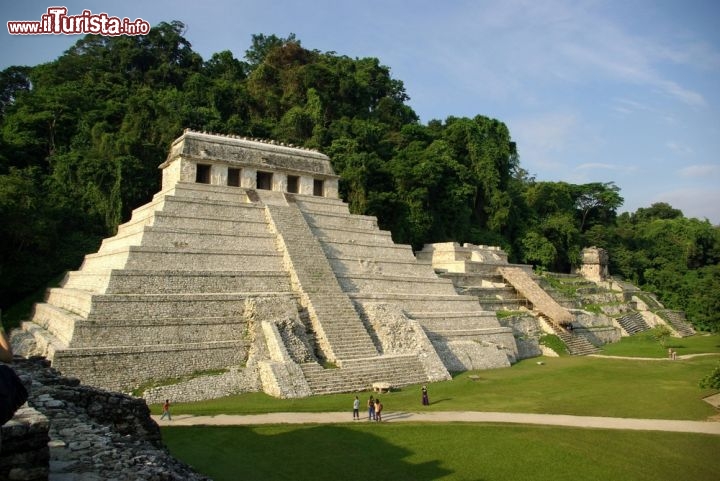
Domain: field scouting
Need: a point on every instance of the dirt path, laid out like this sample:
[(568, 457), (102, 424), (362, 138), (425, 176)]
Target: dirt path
[(679, 358), (706, 427)]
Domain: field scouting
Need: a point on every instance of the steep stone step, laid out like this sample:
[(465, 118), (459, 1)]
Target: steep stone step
[(413, 303), (528, 288), (326, 219), (177, 282), (339, 234), (399, 268), (378, 252), (155, 306), (370, 283), (576, 344), (333, 316), (209, 223), (360, 374), (190, 239), (440, 321), (633, 323), (157, 258), (207, 191), (677, 320)]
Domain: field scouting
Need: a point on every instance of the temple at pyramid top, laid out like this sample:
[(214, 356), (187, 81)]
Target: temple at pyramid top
[(251, 164)]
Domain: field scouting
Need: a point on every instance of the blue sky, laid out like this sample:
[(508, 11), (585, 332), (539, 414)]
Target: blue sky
[(592, 90)]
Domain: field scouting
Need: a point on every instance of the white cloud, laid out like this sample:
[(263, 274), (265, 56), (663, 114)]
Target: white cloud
[(679, 148), (596, 165), (702, 171)]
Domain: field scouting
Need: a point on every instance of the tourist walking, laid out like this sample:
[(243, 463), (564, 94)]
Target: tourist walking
[(425, 398), (371, 409), (356, 409), (378, 410), (166, 411)]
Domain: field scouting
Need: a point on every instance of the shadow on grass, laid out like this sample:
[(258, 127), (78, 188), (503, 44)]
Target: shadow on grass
[(438, 401), (284, 453)]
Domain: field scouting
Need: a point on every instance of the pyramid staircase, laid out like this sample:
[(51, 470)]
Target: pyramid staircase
[(336, 324), (541, 301), (677, 321), (340, 333), (576, 345), (633, 323), (372, 269)]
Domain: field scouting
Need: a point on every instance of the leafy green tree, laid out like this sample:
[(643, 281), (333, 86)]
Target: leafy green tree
[(597, 202), (712, 380)]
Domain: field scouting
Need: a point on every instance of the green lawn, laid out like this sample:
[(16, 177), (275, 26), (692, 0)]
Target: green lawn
[(443, 452), (641, 345), (454, 451), (565, 385)]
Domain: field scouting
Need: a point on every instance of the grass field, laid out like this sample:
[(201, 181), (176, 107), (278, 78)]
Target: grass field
[(443, 452), (454, 451)]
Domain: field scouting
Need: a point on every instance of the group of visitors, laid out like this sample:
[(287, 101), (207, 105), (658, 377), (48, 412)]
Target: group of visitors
[(375, 407)]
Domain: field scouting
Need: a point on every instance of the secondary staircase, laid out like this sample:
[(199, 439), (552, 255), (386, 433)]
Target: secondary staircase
[(576, 344), (677, 320), (540, 299), (633, 322), (360, 374)]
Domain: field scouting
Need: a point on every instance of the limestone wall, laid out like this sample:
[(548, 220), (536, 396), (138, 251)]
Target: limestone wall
[(75, 432), (397, 334), (125, 369)]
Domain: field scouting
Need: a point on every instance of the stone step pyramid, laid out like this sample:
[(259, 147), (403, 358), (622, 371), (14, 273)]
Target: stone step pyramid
[(212, 274)]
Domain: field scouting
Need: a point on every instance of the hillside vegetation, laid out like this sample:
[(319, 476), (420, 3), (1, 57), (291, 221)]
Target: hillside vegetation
[(81, 138)]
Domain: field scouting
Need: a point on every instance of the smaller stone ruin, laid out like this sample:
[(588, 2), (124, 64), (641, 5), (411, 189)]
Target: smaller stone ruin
[(594, 264)]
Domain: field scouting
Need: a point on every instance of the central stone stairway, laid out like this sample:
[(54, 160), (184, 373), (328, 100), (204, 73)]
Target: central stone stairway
[(341, 336), (338, 329)]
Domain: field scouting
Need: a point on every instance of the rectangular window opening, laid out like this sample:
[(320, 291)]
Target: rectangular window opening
[(293, 182), (318, 187), (202, 174), (233, 179), (264, 180)]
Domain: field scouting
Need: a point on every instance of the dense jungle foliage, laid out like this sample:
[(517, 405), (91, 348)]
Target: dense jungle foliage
[(81, 138)]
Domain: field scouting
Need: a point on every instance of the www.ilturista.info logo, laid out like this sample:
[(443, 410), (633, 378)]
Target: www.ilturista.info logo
[(57, 21)]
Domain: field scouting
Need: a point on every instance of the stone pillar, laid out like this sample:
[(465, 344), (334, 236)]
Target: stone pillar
[(279, 182), (331, 189), (306, 185), (171, 175), (218, 174), (248, 178)]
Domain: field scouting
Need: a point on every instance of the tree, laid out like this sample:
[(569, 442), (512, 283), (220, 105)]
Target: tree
[(263, 44), (712, 380), (661, 334), (602, 199)]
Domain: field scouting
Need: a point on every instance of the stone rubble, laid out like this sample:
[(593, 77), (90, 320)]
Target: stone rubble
[(97, 435)]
